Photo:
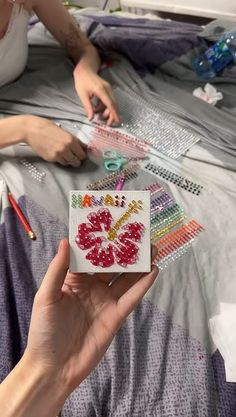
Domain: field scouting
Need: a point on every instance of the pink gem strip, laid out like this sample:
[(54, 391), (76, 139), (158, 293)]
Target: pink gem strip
[(154, 188), (104, 138)]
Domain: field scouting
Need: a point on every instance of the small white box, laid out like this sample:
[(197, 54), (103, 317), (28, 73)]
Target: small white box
[(109, 231)]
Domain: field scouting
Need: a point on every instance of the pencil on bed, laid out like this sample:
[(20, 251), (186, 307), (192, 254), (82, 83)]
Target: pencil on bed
[(21, 216)]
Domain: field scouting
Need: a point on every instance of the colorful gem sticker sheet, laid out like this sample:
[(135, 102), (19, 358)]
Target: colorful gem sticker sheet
[(110, 231)]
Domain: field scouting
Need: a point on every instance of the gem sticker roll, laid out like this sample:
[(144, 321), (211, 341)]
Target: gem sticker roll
[(110, 231)]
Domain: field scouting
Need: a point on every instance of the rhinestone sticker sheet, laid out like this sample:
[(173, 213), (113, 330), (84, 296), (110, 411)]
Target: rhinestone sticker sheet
[(104, 138), (110, 231), (146, 121), (33, 170), (176, 179), (169, 232)]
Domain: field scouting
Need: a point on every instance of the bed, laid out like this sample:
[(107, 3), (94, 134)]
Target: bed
[(162, 363)]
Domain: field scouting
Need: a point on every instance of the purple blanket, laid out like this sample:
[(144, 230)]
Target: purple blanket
[(146, 43)]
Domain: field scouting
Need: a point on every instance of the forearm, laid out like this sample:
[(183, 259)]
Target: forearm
[(67, 31), (11, 130), (29, 391), (81, 50), (89, 61)]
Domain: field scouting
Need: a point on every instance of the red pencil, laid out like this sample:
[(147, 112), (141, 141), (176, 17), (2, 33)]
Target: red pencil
[(21, 216)]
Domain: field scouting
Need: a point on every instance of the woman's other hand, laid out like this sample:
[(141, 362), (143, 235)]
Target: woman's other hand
[(88, 85), (53, 143)]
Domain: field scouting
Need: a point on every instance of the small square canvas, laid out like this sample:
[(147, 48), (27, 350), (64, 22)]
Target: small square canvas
[(110, 231)]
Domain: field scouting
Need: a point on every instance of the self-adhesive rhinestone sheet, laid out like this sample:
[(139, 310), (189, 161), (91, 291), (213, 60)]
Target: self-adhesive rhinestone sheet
[(155, 127), (170, 231), (176, 243), (33, 170), (178, 180)]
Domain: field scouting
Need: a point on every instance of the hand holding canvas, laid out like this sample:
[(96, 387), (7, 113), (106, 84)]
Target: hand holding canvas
[(75, 317)]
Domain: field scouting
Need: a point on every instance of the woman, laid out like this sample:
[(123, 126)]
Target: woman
[(74, 320), (46, 139)]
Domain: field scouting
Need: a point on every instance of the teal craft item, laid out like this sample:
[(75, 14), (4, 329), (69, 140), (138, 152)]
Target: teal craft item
[(113, 161)]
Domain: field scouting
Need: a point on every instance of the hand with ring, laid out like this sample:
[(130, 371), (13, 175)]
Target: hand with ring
[(53, 143)]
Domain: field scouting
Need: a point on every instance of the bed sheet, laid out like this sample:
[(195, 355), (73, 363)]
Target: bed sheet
[(162, 362)]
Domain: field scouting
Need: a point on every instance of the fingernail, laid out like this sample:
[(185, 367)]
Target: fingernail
[(62, 243), (155, 267), (60, 246), (154, 252)]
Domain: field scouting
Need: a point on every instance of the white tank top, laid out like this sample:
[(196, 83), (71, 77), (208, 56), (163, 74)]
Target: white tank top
[(14, 46)]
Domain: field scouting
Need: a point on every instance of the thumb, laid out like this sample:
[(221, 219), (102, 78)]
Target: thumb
[(56, 273), (134, 295)]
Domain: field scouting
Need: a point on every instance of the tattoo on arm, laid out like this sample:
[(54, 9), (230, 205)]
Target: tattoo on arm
[(74, 41)]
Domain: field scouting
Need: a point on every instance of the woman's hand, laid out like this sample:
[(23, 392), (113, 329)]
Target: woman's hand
[(88, 85), (84, 55), (53, 143), (75, 317)]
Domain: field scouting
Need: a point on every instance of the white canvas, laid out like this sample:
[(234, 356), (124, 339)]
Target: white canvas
[(129, 249)]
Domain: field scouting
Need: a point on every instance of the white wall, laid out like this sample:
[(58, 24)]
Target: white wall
[(111, 4), (209, 8)]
